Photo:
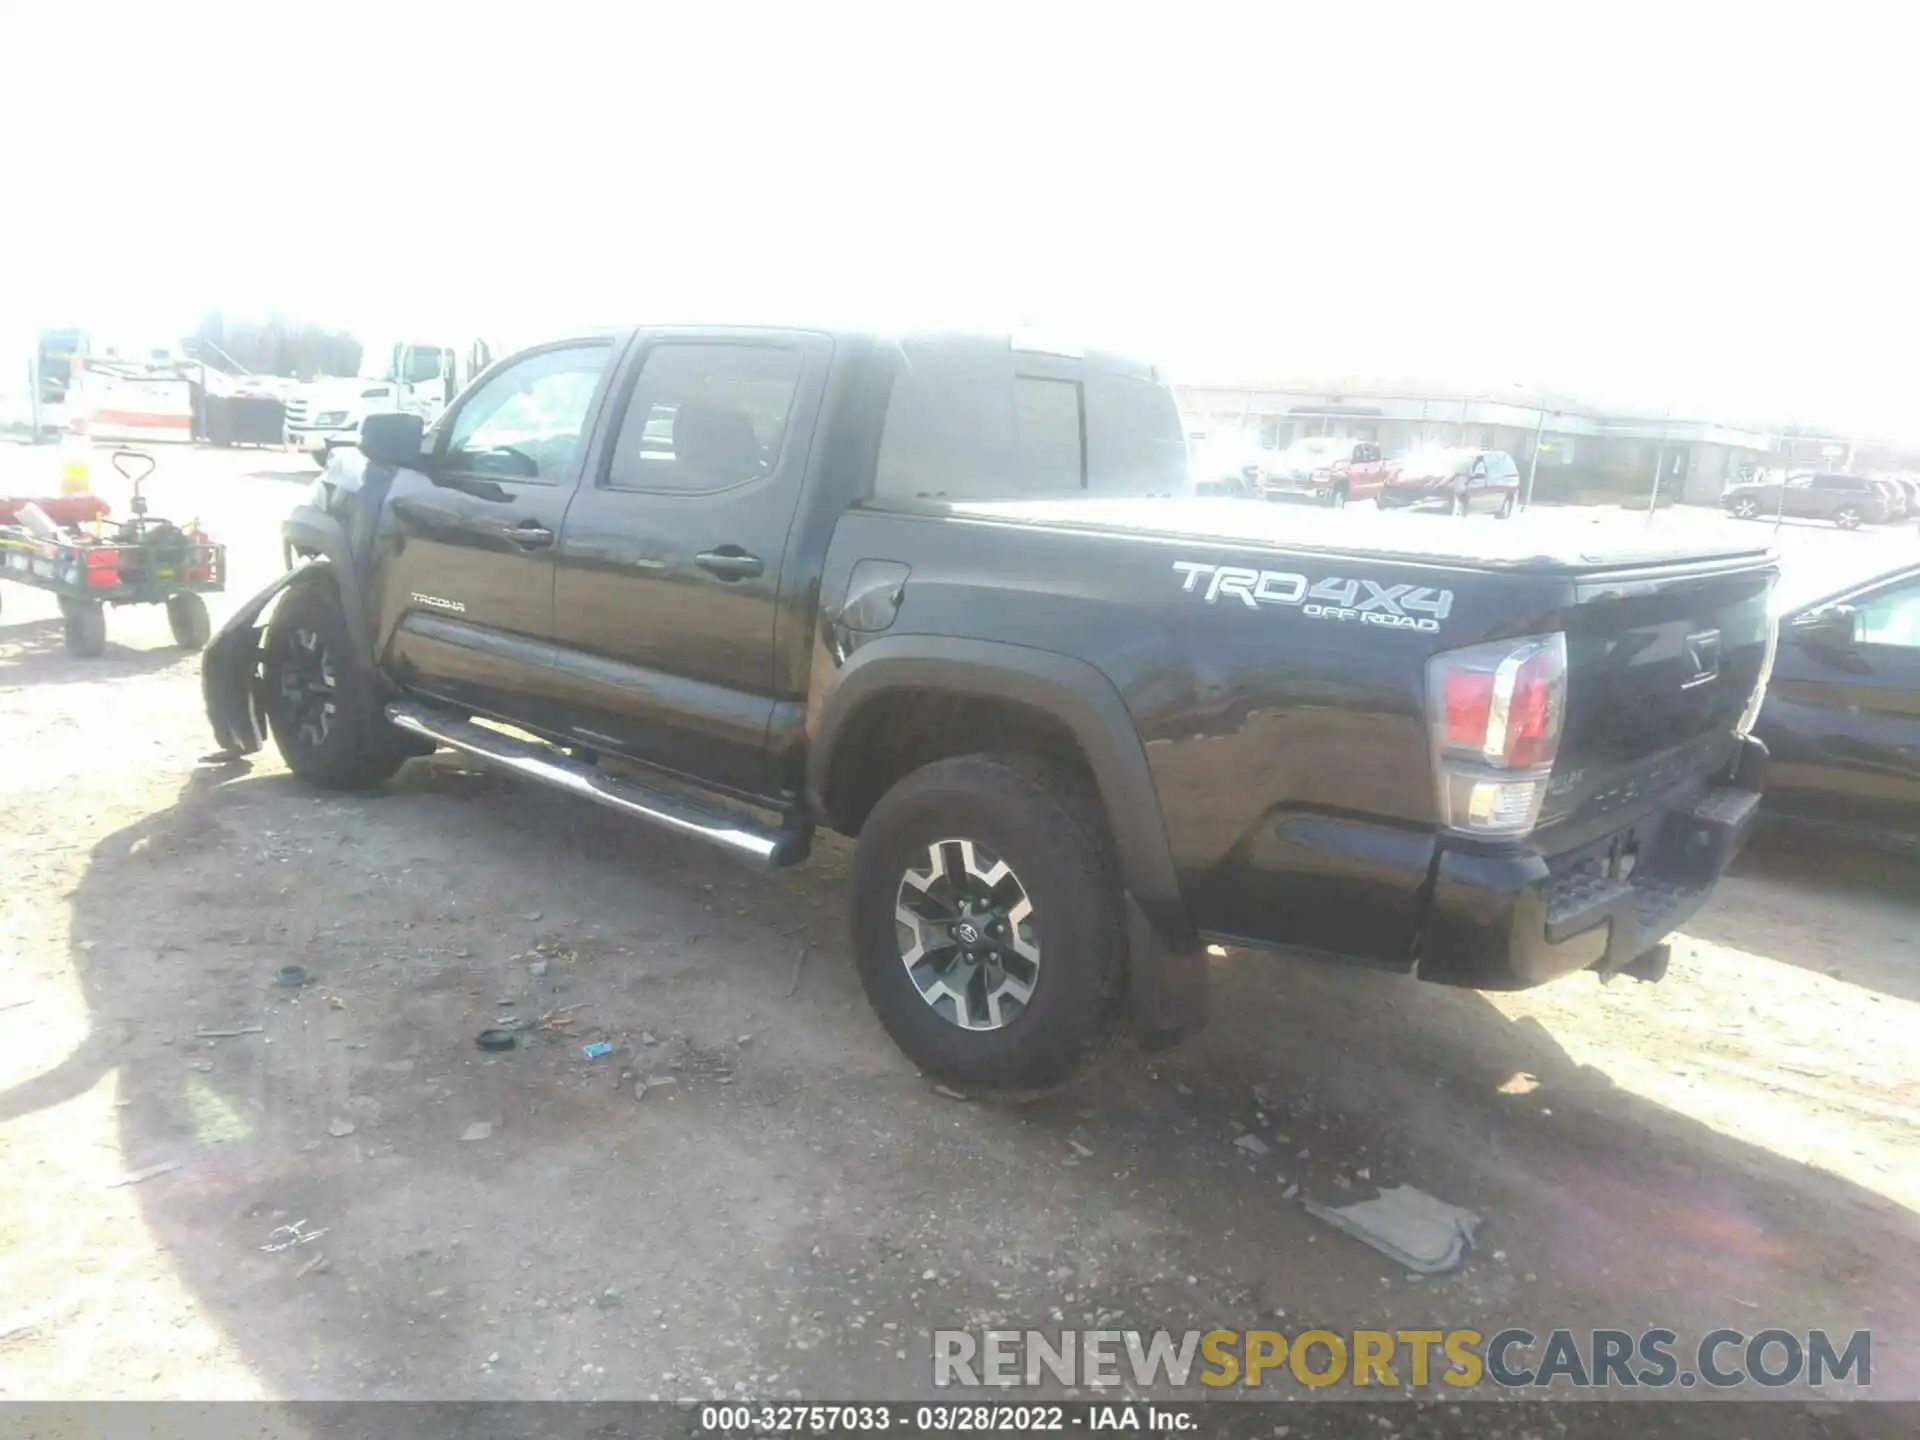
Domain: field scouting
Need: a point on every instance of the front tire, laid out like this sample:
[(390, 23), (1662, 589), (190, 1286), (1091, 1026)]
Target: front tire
[(1337, 498), (987, 923), (1505, 512), (326, 717), (1848, 517)]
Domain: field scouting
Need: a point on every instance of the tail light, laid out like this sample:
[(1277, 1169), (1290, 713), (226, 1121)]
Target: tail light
[(1496, 713)]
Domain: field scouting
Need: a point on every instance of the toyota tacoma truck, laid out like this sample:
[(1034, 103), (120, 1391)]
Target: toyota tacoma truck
[(942, 594)]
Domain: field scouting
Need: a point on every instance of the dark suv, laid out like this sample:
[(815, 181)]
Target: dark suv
[(1849, 501)]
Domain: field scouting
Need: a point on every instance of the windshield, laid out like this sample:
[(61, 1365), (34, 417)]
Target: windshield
[(377, 361), (1436, 462)]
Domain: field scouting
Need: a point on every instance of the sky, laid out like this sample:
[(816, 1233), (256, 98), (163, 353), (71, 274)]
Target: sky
[(1695, 209)]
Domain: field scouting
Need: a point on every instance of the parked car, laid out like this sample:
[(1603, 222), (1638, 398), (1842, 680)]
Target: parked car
[(1849, 501), (1895, 494), (1910, 487), (1462, 480), (740, 584), (1327, 471), (1842, 713)]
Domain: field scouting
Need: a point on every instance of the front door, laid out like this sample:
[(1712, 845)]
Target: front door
[(466, 592), (1848, 720), (670, 563)]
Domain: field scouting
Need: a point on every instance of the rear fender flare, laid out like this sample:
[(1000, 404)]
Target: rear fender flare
[(1166, 962)]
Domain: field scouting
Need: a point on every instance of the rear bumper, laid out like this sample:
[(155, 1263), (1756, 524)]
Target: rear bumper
[(1509, 920)]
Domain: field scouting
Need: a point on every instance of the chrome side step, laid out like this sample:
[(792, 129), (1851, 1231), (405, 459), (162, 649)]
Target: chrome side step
[(768, 845)]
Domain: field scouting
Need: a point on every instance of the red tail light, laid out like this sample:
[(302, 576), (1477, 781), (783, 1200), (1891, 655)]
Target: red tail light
[(1497, 712)]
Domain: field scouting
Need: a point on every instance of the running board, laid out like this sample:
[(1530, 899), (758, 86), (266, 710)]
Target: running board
[(766, 844)]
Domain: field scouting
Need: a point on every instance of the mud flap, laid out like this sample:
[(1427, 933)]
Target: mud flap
[(1167, 988), (230, 681)]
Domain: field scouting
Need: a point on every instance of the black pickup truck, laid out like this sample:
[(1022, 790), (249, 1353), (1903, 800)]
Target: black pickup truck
[(945, 594)]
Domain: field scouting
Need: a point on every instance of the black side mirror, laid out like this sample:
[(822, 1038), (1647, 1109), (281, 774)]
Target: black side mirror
[(1830, 628), (392, 439)]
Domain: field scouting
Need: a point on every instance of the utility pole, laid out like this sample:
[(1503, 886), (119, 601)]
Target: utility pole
[(1533, 461)]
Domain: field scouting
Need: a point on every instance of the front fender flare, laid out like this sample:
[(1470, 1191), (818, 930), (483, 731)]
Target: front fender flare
[(1167, 965)]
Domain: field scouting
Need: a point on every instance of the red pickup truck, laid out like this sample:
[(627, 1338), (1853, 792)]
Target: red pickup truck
[(1326, 470)]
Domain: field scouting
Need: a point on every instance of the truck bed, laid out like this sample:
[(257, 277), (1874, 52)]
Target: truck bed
[(1561, 541)]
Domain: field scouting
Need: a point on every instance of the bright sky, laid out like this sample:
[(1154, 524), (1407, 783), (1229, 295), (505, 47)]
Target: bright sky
[(1701, 208)]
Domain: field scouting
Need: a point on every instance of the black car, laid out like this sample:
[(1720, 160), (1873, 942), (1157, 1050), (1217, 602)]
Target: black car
[(935, 593), (1842, 714), (1849, 501)]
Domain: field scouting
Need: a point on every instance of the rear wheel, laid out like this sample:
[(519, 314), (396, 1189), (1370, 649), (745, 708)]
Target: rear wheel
[(325, 715), (987, 923), (188, 619), (1848, 517), (84, 628), (1506, 507)]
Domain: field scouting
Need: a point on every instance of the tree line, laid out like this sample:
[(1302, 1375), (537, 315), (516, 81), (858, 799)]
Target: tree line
[(273, 345)]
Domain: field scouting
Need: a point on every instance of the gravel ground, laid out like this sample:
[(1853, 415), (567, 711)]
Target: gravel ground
[(360, 1204)]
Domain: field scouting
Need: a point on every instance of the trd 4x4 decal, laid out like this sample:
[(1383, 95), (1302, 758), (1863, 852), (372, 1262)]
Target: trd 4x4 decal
[(1357, 601)]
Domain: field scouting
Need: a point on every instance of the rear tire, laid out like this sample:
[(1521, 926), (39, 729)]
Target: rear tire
[(1506, 509), (188, 619), (84, 628), (1050, 926), (1848, 517), (325, 714)]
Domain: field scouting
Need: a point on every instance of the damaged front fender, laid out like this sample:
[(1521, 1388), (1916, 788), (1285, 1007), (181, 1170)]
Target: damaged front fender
[(230, 672)]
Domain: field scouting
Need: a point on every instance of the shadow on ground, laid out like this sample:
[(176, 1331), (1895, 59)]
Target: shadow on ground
[(39, 656), (1838, 875), (798, 1209)]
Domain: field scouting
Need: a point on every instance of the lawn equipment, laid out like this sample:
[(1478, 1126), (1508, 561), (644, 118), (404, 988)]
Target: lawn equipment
[(68, 546)]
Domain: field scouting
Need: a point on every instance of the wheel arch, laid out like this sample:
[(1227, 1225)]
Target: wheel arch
[(1061, 691)]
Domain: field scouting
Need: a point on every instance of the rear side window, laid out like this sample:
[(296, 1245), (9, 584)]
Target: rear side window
[(704, 417)]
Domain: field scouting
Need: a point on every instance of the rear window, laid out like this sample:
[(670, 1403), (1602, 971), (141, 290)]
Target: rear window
[(967, 420)]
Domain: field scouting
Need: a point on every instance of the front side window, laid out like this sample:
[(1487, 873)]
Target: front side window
[(526, 422), (705, 417), (1890, 618)]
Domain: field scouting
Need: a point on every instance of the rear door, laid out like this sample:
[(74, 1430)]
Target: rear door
[(1843, 722), (669, 565), (466, 589)]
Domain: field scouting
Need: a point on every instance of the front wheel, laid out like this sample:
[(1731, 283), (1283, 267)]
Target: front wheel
[(1506, 508), (1745, 508), (1848, 517), (987, 923), (1457, 505), (1337, 497), (325, 714)]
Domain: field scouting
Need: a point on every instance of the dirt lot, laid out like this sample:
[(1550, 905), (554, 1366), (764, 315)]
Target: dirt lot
[(798, 1209)]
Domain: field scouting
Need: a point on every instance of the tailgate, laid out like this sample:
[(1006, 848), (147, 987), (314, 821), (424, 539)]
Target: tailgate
[(1660, 669)]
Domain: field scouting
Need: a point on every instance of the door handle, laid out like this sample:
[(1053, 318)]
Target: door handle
[(729, 562), (530, 536)]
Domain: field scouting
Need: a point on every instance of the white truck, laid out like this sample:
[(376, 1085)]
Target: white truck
[(418, 377)]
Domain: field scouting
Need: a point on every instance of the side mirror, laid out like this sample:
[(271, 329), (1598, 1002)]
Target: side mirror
[(1830, 628), (392, 439)]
